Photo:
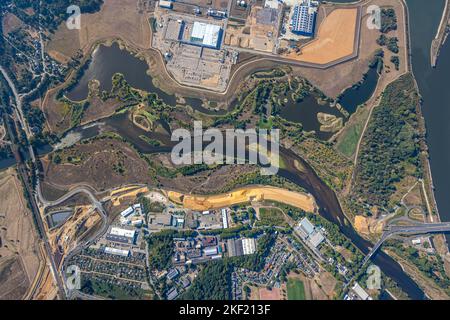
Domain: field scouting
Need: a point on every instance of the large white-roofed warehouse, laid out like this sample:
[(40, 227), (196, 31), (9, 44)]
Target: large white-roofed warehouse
[(206, 35)]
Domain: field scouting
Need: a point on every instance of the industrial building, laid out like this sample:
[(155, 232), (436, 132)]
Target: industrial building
[(127, 212), (210, 251), (234, 247), (137, 223), (304, 18), (201, 34), (115, 231), (241, 247), (172, 294), (248, 246), (119, 235), (119, 239), (132, 210), (316, 239), (165, 4), (308, 232), (117, 252), (206, 35), (172, 274), (224, 218), (360, 293), (305, 227), (216, 13)]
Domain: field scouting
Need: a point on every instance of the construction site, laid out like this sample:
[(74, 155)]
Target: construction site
[(248, 194), (201, 42)]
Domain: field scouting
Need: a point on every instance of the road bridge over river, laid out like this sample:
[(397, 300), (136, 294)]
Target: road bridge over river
[(392, 230)]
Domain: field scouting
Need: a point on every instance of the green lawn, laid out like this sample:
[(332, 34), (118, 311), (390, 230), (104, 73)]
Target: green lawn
[(265, 124), (350, 138), (346, 143), (295, 289), (272, 217)]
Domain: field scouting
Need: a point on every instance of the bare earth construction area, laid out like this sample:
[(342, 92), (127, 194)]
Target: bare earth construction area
[(248, 194), (335, 39), (200, 50)]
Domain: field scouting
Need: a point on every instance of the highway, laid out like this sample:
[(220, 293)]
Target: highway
[(23, 172), (36, 198), (18, 98), (96, 204), (392, 230)]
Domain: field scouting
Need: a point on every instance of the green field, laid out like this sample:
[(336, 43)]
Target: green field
[(295, 289), (347, 142), (272, 217)]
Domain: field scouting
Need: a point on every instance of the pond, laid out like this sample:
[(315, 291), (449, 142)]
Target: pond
[(108, 60), (305, 112), (358, 94)]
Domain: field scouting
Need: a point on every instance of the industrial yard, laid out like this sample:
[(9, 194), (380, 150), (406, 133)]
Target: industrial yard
[(200, 44), (191, 46)]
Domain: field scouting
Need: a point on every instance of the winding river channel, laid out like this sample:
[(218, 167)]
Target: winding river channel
[(325, 197), (434, 89), (306, 178)]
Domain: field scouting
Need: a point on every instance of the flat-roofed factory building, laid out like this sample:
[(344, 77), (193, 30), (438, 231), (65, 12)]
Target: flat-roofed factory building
[(248, 246), (197, 33), (239, 247), (165, 4), (117, 252), (206, 35), (304, 18), (121, 235), (309, 233)]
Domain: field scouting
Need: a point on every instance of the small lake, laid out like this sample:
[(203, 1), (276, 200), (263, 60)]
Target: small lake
[(108, 60), (305, 112), (358, 94), (7, 162), (105, 62)]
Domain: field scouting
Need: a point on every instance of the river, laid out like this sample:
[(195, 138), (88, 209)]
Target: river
[(434, 89), (307, 179), (432, 85), (331, 210)]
